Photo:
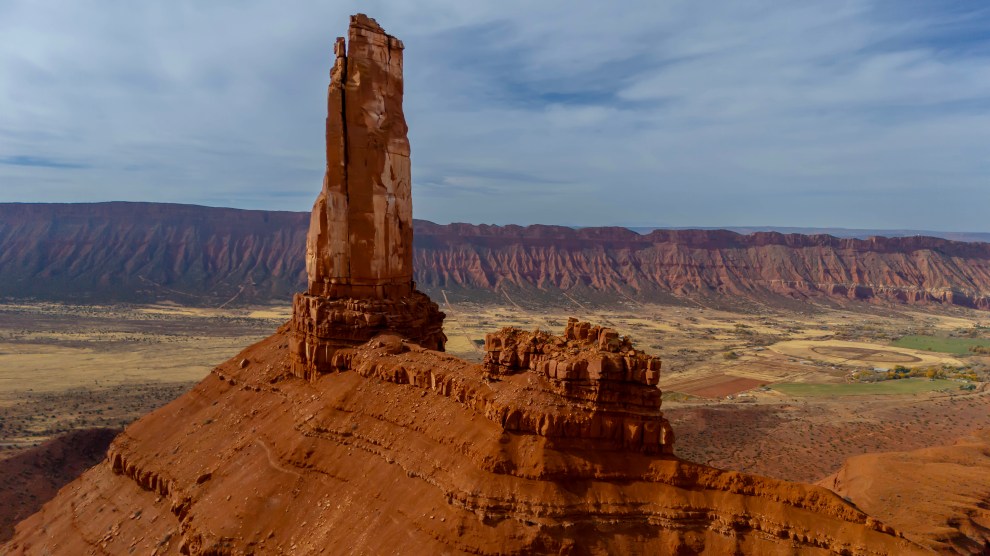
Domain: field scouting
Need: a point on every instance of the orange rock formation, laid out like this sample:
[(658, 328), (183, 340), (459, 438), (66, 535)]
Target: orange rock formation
[(554, 445), (590, 366), (938, 496), (410, 451), (361, 230), (359, 246)]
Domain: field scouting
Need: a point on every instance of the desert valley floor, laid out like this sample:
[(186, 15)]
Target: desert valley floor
[(782, 392)]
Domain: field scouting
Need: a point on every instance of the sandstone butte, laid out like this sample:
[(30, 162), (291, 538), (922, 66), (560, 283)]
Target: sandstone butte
[(350, 431)]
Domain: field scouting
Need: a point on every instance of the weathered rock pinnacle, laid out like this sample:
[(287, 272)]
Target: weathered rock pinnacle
[(360, 236), (359, 247)]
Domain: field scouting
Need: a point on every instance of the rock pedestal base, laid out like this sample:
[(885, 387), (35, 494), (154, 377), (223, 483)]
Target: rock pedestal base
[(322, 325)]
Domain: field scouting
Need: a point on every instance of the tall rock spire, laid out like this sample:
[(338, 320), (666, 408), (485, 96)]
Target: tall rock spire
[(359, 247), (360, 237)]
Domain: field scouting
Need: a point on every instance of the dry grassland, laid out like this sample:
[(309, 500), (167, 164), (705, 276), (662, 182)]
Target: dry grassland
[(66, 367)]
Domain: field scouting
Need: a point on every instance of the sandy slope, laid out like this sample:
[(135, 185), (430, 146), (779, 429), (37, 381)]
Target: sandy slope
[(938, 496)]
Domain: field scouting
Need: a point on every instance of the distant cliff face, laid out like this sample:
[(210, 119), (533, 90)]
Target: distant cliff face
[(204, 256), (700, 263), (148, 251)]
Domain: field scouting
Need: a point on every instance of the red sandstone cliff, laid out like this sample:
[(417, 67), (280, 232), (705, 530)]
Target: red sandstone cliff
[(142, 252), (415, 452), (201, 255), (701, 263)]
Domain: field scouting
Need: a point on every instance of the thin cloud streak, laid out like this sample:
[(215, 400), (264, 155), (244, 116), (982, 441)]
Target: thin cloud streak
[(40, 162)]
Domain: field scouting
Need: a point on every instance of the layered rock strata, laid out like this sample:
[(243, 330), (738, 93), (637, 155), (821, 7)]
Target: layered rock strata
[(411, 451), (209, 256), (593, 367), (600, 413), (360, 241), (322, 325), (712, 265)]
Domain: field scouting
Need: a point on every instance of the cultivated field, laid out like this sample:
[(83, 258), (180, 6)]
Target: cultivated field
[(958, 346), (860, 353), (715, 385)]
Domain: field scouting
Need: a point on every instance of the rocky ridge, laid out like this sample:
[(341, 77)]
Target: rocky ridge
[(697, 263), (256, 460), (209, 256)]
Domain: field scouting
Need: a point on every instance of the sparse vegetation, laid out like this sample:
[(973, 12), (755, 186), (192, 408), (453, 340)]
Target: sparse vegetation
[(104, 366), (887, 387), (697, 344), (953, 345)]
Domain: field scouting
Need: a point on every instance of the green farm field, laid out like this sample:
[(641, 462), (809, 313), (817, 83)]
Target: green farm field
[(956, 346), (886, 387)]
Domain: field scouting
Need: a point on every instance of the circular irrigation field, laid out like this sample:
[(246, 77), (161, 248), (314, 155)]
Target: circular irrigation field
[(860, 354), (850, 353)]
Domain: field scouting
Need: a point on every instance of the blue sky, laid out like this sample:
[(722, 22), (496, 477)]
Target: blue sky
[(862, 114)]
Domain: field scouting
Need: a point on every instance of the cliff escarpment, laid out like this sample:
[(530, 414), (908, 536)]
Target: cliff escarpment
[(141, 252), (703, 263), (208, 256), (414, 451)]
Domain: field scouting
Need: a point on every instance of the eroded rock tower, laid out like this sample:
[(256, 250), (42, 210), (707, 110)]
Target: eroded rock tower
[(552, 445), (360, 242)]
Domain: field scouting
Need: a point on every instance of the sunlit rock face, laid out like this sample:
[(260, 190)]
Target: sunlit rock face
[(359, 247), (552, 445)]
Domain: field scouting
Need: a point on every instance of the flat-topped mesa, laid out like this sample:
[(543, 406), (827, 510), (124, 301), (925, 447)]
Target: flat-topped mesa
[(359, 246), (593, 366)]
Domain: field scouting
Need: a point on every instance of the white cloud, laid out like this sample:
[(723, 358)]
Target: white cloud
[(828, 113)]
